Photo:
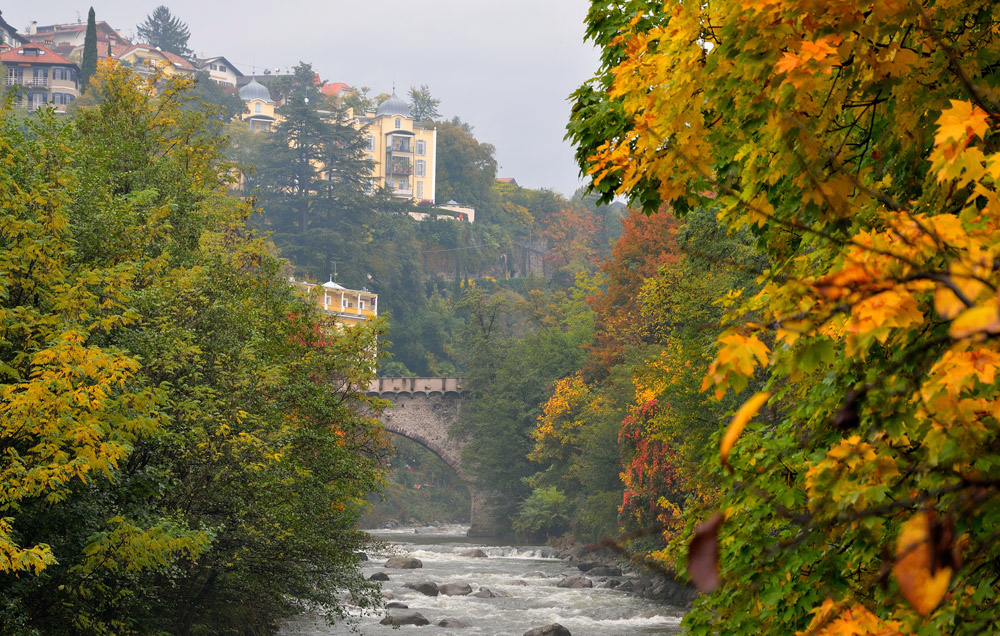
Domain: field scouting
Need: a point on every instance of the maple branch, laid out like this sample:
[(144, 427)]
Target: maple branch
[(982, 100)]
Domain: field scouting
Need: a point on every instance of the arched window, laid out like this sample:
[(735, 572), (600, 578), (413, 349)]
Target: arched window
[(399, 123), (256, 108)]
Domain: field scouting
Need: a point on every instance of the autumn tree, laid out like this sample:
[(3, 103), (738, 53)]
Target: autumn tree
[(857, 143), (176, 459), (164, 30)]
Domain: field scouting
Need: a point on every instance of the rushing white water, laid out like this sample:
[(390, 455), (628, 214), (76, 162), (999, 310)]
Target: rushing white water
[(522, 572)]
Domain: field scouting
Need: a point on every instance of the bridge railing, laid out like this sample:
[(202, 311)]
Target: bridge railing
[(382, 386)]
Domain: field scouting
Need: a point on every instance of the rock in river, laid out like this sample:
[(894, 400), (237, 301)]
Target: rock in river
[(404, 563), (379, 576), (455, 589), (427, 588), (404, 617), (575, 581), (476, 554), (555, 629), (451, 622)]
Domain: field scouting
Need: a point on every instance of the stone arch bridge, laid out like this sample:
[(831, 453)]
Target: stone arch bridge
[(423, 410)]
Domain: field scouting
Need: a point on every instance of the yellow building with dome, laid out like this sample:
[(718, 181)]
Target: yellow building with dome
[(260, 115), (404, 151)]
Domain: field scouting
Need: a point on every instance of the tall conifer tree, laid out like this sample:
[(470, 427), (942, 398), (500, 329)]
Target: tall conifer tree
[(165, 31), (89, 65)]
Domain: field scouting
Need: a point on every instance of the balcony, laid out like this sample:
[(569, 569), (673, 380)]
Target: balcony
[(401, 169), (31, 82)]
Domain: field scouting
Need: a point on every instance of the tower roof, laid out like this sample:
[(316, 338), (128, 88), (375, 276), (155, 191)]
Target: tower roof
[(393, 106), (255, 90)]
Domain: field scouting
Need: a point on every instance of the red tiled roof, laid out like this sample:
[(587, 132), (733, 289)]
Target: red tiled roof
[(13, 56), (334, 89)]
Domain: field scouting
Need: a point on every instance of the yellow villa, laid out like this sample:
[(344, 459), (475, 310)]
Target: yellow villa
[(404, 151), (350, 306)]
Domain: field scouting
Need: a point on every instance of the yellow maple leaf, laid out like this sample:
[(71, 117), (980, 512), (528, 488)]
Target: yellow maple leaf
[(743, 415), (977, 321), (960, 122), (922, 587)]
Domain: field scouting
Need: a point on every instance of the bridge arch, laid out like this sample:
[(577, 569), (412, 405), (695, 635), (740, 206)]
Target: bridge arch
[(423, 410)]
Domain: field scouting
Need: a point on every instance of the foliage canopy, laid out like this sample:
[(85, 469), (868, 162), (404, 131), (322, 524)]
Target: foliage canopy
[(857, 143)]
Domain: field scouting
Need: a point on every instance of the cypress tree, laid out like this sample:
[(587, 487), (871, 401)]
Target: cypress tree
[(89, 65)]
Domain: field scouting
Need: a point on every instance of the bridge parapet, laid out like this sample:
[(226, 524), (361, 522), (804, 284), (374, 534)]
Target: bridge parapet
[(415, 386)]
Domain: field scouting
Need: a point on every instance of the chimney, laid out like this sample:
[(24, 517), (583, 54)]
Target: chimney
[(33, 27)]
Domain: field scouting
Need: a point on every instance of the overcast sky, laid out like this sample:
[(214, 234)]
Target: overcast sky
[(506, 67)]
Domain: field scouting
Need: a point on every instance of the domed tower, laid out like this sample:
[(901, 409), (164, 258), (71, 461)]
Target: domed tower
[(259, 104), (394, 107)]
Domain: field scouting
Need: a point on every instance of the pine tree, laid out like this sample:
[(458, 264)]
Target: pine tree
[(314, 180), (163, 30), (89, 65)]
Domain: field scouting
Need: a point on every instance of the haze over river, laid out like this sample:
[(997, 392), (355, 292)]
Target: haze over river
[(520, 571)]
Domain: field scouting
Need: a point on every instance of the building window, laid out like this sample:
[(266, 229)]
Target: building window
[(420, 169), (256, 108), (370, 143), (420, 189), (222, 68), (361, 305), (421, 147), (211, 66), (399, 123)]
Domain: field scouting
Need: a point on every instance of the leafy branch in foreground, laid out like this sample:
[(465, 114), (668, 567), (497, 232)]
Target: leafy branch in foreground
[(858, 144)]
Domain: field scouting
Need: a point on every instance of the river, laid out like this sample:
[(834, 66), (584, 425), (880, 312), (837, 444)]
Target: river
[(522, 572)]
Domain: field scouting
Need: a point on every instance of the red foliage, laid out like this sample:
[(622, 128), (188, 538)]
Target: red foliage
[(648, 468), (573, 235), (646, 244)]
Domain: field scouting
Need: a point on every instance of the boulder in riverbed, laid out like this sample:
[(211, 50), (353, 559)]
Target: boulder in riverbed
[(404, 563), (555, 629), (379, 576), (451, 622), (404, 617), (587, 566), (427, 588), (575, 581), (455, 589), (475, 554), (396, 605)]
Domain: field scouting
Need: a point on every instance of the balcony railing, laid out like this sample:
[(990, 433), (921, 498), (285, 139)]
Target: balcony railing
[(35, 82), (399, 169), (404, 148)]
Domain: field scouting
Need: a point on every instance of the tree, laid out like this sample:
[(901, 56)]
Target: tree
[(175, 458), (89, 64), (315, 181), (163, 30), (858, 146), (423, 106), (466, 169)]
